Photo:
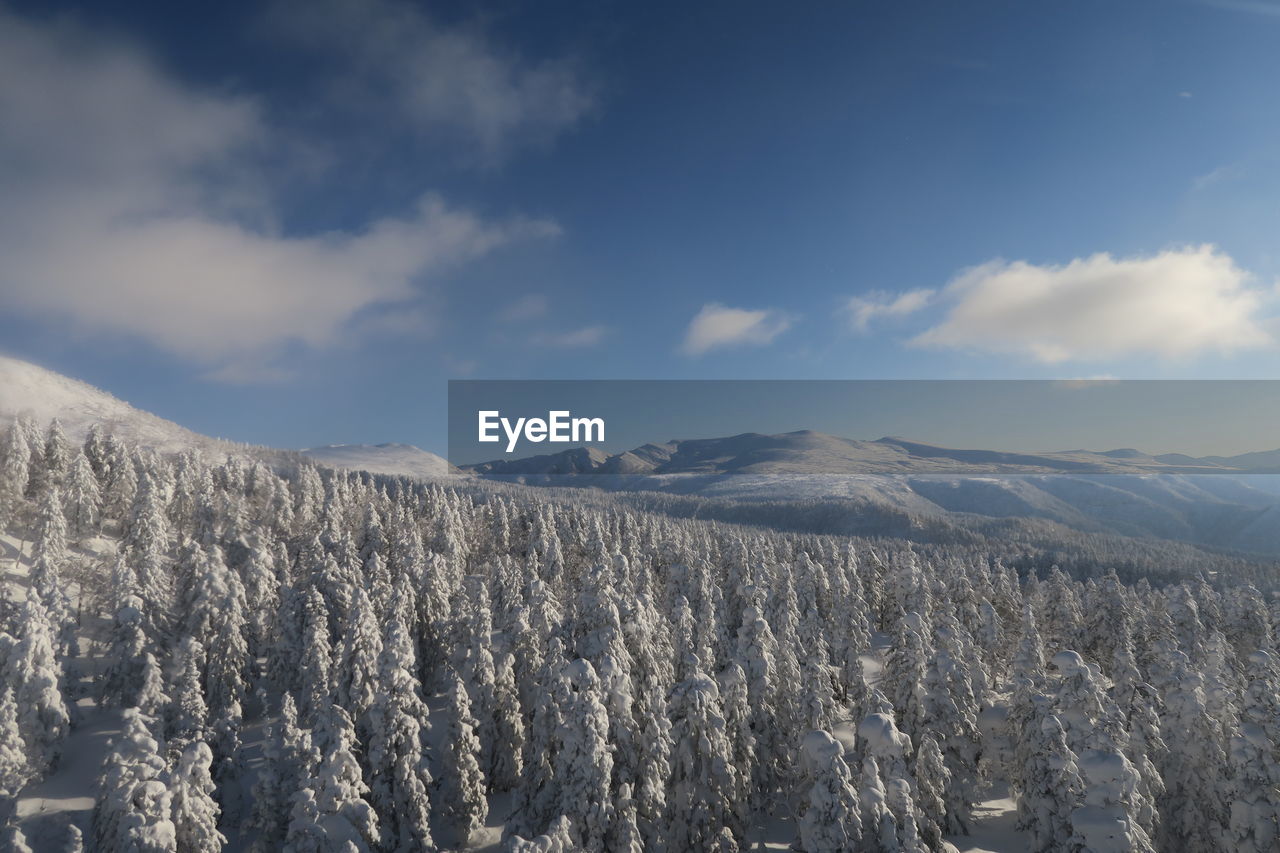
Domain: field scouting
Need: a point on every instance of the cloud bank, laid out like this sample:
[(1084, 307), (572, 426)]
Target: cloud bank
[(717, 326), (1175, 304), (138, 206), (389, 58)]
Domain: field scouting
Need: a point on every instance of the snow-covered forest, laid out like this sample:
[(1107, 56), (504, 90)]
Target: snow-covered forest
[(202, 654)]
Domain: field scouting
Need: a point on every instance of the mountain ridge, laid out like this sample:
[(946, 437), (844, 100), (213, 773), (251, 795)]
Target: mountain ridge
[(808, 451)]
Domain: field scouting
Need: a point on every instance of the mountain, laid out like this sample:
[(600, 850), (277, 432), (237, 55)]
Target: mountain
[(401, 459), (808, 452), (26, 388), (872, 487), (1113, 492)]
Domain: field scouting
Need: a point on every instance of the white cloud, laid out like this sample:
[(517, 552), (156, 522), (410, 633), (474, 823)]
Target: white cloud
[(718, 325), (389, 56), (528, 307), (587, 336), (878, 303), (1177, 303), (136, 206), (1257, 7)]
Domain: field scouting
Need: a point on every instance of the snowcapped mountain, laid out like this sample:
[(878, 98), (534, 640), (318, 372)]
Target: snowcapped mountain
[(1120, 492), (27, 388), (806, 452), (863, 482), (402, 459)]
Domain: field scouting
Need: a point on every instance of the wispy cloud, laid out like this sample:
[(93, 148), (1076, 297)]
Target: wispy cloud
[(587, 336), (717, 326), (1257, 7), (862, 310), (135, 205), (1174, 304), (531, 306), (390, 58)]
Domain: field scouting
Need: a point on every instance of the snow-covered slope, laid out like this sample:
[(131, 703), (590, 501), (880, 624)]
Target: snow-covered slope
[(27, 388), (402, 459), (806, 452)]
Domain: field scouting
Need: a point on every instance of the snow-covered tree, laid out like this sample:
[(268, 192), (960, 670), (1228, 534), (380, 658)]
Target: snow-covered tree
[(14, 771), (703, 779), (583, 763), (195, 811), (83, 503), (400, 780), (1051, 787), (134, 808), (462, 799), (1194, 805), (831, 822), (1105, 822), (33, 670)]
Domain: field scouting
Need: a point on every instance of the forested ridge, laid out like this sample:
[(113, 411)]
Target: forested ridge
[(293, 658)]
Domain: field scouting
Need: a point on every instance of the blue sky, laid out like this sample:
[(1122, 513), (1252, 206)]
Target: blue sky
[(291, 223)]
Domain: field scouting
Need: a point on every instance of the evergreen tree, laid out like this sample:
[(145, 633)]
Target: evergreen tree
[(33, 669), (84, 498), (583, 763), (195, 812), (462, 798), (399, 774), (134, 805), (1052, 788), (187, 715), (703, 779), (14, 772), (831, 822), (15, 456)]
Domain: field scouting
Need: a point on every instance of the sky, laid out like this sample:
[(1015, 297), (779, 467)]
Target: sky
[(291, 223)]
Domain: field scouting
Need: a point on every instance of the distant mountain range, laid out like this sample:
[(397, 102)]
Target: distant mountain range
[(806, 452), (844, 481), (881, 485)]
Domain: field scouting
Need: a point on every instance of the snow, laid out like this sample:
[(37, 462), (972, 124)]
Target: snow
[(68, 794), (995, 826), (397, 459), (1093, 788), (26, 388)]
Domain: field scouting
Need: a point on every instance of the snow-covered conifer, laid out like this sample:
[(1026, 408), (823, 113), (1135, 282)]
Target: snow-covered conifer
[(187, 715), (14, 771), (583, 763), (195, 811), (700, 801), (831, 822), (462, 787), (134, 808), (33, 669), (1051, 787), (400, 780)]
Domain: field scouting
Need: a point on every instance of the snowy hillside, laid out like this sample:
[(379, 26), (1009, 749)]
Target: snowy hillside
[(1119, 492), (399, 459), (806, 452), (27, 388)]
